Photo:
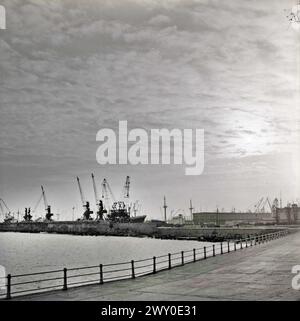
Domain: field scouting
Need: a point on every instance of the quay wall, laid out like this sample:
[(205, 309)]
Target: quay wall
[(193, 232)]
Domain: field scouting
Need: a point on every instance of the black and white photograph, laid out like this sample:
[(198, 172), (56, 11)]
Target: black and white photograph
[(149, 154)]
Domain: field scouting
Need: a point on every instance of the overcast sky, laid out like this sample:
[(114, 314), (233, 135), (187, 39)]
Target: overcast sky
[(69, 68)]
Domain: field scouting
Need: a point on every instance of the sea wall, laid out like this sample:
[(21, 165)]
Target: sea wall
[(133, 229), (211, 234), (80, 228)]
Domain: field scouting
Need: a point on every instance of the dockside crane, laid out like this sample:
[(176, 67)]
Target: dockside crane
[(99, 202), (48, 215), (2, 202), (7, 216), (86, 205), (107, 195), (2, 210), (257, 205)]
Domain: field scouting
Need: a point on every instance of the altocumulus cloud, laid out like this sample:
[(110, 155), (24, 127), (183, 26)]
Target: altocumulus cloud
[(69, 68)]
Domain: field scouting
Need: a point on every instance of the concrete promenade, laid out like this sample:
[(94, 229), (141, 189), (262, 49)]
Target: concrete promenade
[(261, 272)]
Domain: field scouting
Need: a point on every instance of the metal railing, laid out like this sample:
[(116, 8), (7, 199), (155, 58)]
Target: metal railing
[(21, 284)]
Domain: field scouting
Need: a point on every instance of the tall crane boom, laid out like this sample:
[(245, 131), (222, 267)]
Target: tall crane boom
[(107, 194), (81, 192), (99, 203), (95, 189), (44, 198), (86, 205), (269, 203), (1, 209), (2, 200), (47, 206), (257, 206)]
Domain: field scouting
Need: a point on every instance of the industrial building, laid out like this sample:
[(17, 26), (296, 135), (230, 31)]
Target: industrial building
[(286, 215)]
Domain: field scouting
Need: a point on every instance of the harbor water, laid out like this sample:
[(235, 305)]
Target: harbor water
[(22, 253)]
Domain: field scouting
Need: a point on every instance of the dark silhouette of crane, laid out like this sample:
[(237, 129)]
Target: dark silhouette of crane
[(48, 215), (99, 203), (86, 205)]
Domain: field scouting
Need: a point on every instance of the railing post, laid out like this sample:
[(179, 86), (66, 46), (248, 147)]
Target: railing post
[(182, 258), (228, 246), (251, 241), (241, 244), (101, 273), (214, 252), (65, 287), (170, 266), (132, 269), (221, 247), (154, 264), (204, 249), (194, 254), (8, 287)]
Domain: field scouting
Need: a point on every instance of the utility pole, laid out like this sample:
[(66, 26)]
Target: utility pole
[(73, 208), (191, 209), (165, 209)]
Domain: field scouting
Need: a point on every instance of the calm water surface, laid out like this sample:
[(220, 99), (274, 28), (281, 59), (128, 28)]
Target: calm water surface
[(25, 253)]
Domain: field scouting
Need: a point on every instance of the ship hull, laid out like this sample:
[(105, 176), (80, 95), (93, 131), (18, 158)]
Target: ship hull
[(137, 219)]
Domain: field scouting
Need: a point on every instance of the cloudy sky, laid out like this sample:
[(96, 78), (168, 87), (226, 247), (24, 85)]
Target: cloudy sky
[(71, 67)]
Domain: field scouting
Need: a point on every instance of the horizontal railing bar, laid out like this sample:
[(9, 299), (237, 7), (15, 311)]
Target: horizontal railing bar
[(119, 270), (162, 262), (79, 275), (176, 253), (36, 273), (37, 289), (120, 263), (145, 272), (189, 255), (83, 267), (137, 261), (160, 256), (35, 281), (116, 277), (83, 282), (142, 266)]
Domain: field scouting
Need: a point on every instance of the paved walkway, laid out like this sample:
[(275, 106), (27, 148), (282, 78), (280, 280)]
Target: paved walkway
[(262, 272)]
